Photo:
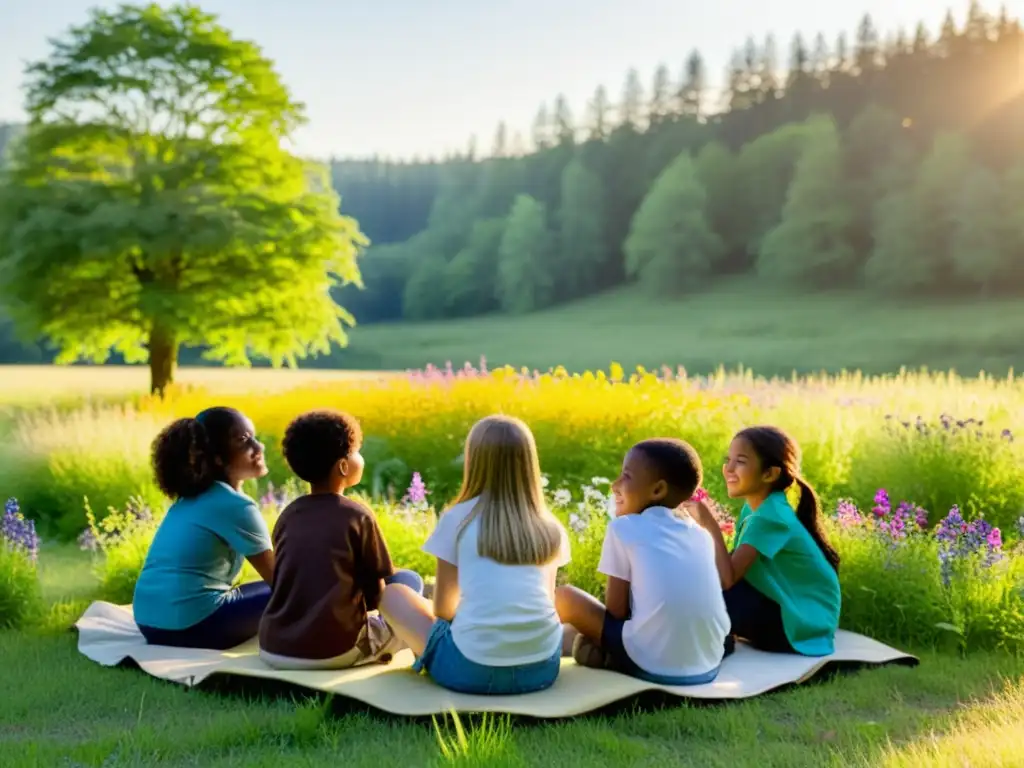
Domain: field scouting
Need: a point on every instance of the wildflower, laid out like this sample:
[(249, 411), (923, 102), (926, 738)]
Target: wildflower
[(17, 532), (700, 496), (592, 495), (577, 523), (545, 481), (87, 541), (882, 505), (562, 497), (959, 539), (600, 481), (416, 494), (847, 514)]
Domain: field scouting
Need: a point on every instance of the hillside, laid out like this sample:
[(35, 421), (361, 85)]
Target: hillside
[(738, 322)]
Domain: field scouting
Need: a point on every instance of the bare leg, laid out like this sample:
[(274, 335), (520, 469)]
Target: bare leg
[(410, 615), (583, 611), (569, 635)]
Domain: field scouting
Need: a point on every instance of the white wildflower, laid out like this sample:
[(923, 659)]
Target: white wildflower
[(562, 497), (600, 481)]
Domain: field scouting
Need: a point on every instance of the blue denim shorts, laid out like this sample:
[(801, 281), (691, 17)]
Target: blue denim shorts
[(611, 642), (450, 669)]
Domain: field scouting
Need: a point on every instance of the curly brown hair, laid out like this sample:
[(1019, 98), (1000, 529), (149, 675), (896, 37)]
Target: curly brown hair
[(316, 441), (190, 454)]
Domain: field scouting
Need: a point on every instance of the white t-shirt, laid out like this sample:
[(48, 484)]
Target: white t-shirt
[(506, 614), (678, 621)]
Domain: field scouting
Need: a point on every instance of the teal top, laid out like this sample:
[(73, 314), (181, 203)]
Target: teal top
[(792, 571), (197, 553)]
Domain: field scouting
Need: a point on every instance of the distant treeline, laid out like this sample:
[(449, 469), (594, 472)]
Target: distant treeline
[(893, 161)]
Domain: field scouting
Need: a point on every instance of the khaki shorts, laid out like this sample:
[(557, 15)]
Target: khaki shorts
[(377, 643)]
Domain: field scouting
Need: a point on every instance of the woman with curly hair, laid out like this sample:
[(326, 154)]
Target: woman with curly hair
[(184, 596)]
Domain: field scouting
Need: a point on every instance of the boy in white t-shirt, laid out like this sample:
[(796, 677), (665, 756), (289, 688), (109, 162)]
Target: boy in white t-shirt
[(664, 618)]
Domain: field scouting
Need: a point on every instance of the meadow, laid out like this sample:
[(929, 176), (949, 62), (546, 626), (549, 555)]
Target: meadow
[(921, 477), (740, 321)]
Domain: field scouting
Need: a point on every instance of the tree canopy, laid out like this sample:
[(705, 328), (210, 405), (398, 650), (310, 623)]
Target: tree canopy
[(151, 202)]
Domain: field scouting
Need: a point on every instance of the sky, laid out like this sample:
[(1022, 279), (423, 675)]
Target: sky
[(405, 78)]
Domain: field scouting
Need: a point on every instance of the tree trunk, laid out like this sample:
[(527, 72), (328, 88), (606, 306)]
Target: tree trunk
[(163, 358)]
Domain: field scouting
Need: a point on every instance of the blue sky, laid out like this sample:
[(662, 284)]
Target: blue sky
[(405, 77)]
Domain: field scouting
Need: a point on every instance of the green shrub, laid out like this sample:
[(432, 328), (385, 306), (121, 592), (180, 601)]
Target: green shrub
[(941, 464)]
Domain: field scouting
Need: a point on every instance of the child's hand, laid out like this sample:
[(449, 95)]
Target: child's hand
[(701, 514)]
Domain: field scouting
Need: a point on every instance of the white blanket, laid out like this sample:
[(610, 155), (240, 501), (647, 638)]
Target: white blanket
[(108, 636)]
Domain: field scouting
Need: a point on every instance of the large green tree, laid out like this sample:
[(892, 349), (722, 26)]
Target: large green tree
[(670, 247), (469, 279), (981, 247), (812, 241), (525, 280), (151, 202), (915, 228), (583, 248)]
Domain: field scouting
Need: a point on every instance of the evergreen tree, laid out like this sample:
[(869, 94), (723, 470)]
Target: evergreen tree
[(632, 101), (500, 148), (691, 91), (583, 251), (525, 280), (661, 93), (670, 247), (565, 131), (600, 108), (739, 90), (767, 70), (541, 133), (821, 58), (812, 241), (867, 52)]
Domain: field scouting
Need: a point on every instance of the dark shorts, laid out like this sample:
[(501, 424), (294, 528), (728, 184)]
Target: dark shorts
[(450, 669), (756, 618), (611, 643), (235, 620)]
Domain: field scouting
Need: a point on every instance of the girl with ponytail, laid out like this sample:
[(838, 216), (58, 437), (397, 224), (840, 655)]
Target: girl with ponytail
[(185, 595), (781, 579)]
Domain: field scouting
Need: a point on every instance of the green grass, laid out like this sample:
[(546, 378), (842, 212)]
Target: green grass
[(60, 709), (772, 330)]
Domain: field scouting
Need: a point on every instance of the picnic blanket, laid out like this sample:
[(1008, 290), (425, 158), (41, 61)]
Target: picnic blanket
[(107, 634)]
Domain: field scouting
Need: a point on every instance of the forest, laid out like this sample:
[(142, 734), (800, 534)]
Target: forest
[(892, 160)]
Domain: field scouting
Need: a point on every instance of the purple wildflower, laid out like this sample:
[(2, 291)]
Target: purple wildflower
[(416, 494), (882, 505), (18, 533), (959, 539), (87, 541), (848, 515)]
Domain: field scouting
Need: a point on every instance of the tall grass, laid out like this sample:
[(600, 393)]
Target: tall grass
[(851, 429)]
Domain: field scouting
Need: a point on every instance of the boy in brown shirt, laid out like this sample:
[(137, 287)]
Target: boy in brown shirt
[(332, 560)]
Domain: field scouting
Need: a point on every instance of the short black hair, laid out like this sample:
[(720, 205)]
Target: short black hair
[(189, 455), (316, 441), (676, 462)]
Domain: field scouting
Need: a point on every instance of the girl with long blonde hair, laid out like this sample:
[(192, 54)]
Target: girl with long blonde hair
[(492, 627)]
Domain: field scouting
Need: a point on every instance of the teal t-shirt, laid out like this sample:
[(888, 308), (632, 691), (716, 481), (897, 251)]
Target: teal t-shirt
[(197, 553), (793, 572)]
